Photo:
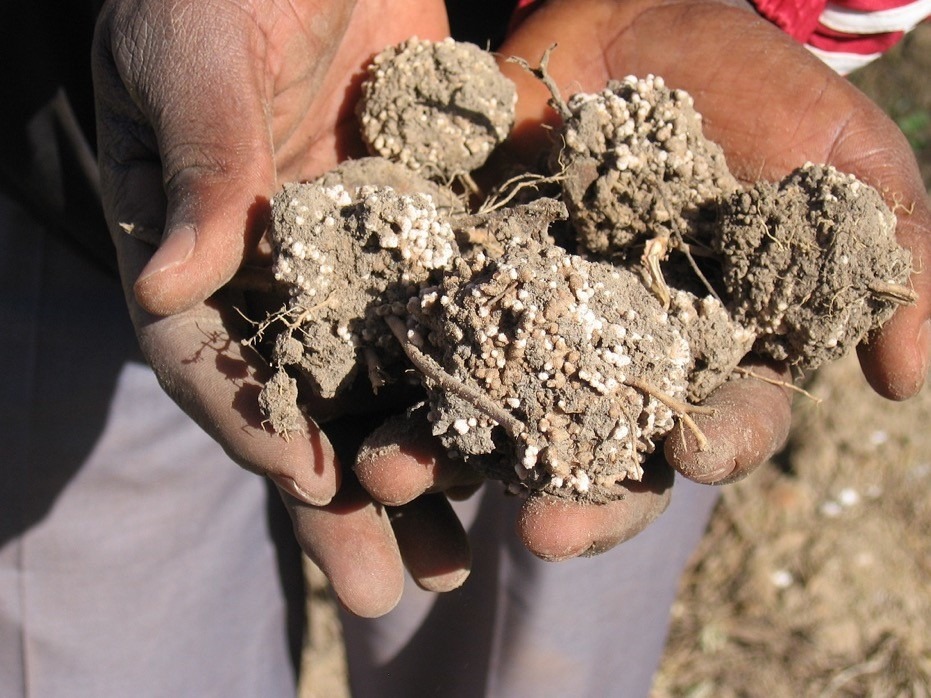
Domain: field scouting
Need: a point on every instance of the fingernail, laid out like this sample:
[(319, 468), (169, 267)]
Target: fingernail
[(442, 583), (291, 487), (175, 249)]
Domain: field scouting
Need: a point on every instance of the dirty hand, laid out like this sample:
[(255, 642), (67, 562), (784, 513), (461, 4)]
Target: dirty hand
[(772, 106), (204, 109)]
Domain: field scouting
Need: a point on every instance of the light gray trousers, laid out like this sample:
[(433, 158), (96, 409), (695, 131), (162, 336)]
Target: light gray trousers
[(592, 627)]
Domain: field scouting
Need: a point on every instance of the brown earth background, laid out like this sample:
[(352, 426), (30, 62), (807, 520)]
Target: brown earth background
[(814, 577)]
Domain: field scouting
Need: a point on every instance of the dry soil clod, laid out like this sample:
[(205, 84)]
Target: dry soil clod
[(637, 166), (811, 263), (436, 107)]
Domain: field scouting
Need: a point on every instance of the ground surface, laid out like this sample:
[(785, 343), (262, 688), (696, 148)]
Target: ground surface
[(812, 578)]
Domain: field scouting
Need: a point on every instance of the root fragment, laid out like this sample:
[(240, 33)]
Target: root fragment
[(690, 255), (775, 381), (542, 74), (434, 372), (682, 409), (654, 252), (376, 374), (513, 187), (894, 293)]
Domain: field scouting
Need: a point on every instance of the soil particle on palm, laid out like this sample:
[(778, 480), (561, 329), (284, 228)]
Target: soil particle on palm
[(436, 107), (636, 165), (811, 263)]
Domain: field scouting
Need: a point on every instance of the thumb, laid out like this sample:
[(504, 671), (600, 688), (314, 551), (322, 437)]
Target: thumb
[(217, 208), (184, 144)]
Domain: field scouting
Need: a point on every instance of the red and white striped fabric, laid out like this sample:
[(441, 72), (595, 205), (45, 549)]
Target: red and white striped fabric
[(846, 34)]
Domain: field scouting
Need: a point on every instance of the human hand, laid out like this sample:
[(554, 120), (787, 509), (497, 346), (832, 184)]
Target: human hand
[(203, 110), (767, 101), (771, 106)]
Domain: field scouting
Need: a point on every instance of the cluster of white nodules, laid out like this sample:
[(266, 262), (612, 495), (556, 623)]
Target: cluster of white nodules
[(411, 226), (300, 262), (636, 163), (384, 241), (438, 107), (558, 341), (309, 230)]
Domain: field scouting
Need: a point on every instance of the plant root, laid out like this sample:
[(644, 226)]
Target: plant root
[(683, 409), (434, 372), (542, 74), (895, 293), (775, 381)]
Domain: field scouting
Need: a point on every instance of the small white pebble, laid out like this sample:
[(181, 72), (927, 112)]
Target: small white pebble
[(782, 579), (848, 497)]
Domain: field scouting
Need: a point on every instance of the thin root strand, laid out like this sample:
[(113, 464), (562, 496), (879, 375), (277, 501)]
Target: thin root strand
[(542, 74), (683, 409), (434, 372), (775, 381)]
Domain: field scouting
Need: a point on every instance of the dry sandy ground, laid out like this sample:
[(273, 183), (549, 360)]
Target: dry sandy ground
[(812, 579)]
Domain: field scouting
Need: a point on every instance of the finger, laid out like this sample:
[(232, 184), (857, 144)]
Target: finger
[(401, 460), (433, 544), (896, 359), (750, 423), (216, 380), (351, 541), (558, 529), (215, 189), (869, 145)]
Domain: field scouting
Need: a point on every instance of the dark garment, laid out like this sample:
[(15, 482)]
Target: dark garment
[(47, 161)]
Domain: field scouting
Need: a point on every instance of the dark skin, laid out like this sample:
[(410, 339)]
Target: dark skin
[(205, 110)]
